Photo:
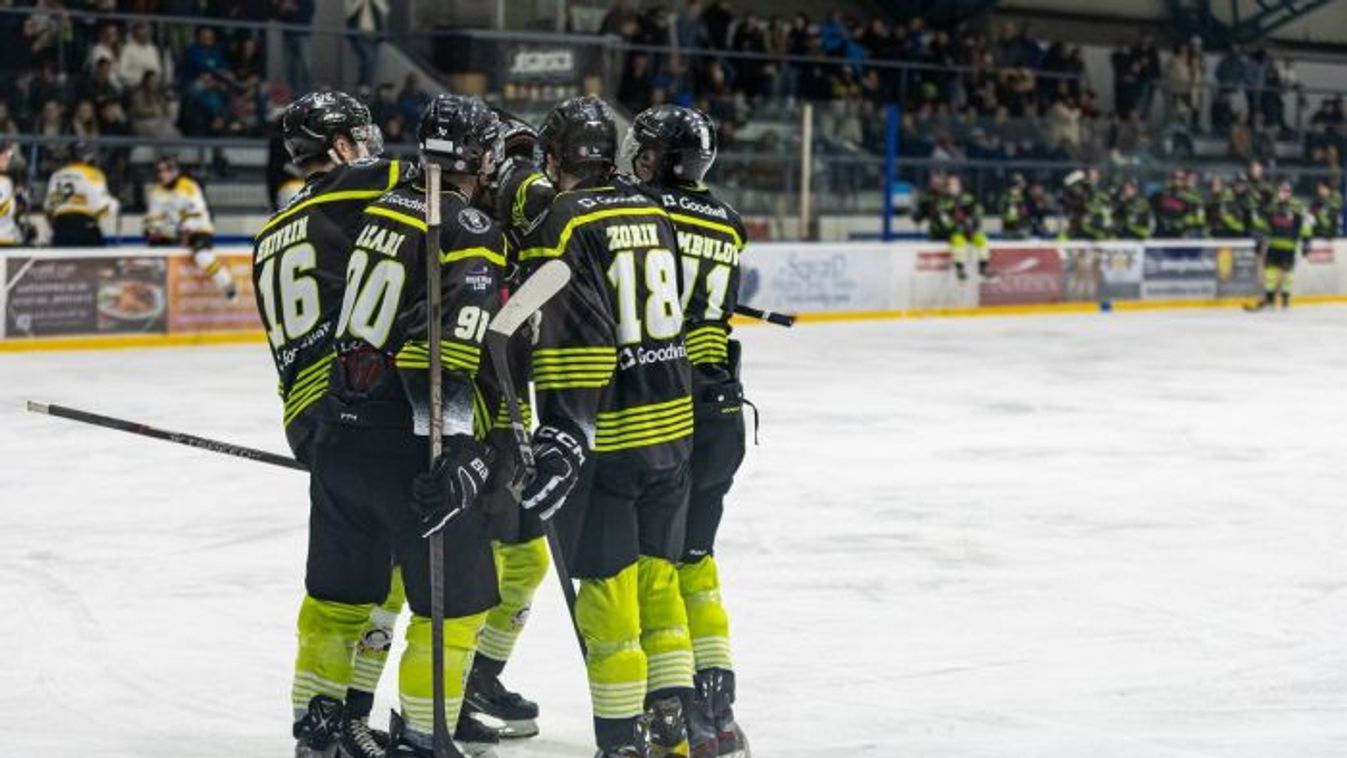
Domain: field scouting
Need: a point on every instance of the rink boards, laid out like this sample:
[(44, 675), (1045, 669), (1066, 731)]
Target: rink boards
[(140, 296)]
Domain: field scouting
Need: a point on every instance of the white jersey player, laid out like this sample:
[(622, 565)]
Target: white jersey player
[(287, 191), (78, 201), (12, 203), (178, 215)]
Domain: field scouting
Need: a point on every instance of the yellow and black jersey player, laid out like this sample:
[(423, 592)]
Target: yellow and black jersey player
[(670, 148), (613, 386)]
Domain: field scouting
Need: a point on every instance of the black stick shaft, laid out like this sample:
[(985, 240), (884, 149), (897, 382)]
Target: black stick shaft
[(498, 346), (772, 317), (434, 331), (145, 430)]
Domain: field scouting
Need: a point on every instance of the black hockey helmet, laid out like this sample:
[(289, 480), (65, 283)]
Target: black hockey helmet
[(581, 134), (519, 139), (460, 134), (668, 144), (311, 124)]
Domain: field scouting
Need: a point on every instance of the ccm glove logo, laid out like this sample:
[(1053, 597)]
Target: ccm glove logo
[(558, 456)]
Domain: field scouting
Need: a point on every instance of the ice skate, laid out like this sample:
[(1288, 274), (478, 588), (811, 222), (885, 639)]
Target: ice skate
[(474, 737), (487, 696), (316, 733), (402, 743), (668, 733), (718, 684), (356, 739)]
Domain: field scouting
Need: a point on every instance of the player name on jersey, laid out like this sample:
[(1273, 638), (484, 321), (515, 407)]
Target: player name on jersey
[(377, 239), (293, 232)]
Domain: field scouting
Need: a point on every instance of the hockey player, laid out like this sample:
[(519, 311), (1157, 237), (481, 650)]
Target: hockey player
[(1016, 220), (1178, 208), (178, 215), (369, 459), (670, 149), (517, 195), (956, 218), (1326, 210), (1255, 193), (299, 276), (1089, 211), (13, 228), (1226, 218), (1133, 212), (1288, 226), (613, 387), (77, 201)]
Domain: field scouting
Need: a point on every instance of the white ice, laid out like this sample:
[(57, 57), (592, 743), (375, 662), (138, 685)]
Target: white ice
[(1049, 537)]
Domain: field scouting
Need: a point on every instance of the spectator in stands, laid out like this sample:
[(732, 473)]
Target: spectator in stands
[(102, 86), (7, 123), (385, 104), (108, 47), (1183, 77), (296, 42), (50, 119), (413, 99), (1241, 140), (150, 109), (84, 120), (138, 56), (716, 21), (204, 63), (756, 78), (633, 92), (1255, 77), (44, 31), (689, 31), (1063, 122), (366, 19)]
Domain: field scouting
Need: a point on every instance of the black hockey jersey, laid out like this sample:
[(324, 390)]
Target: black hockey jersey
[(610, 356), (520, 199), (383, 315), (711, 238), (299, 273)]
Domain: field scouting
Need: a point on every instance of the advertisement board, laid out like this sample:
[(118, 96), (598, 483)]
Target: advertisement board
[(69, 296), (935, 285), (1080, 273), (1238, 270), (1179, 272), (195, 304), (1022, 276), (803, 278)]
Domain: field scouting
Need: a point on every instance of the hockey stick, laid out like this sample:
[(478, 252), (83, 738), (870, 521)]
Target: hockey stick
[(145, 430), (434, 330), (772, 317), (540, 287)]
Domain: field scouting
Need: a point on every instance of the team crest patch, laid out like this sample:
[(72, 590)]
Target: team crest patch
[(474, 220)]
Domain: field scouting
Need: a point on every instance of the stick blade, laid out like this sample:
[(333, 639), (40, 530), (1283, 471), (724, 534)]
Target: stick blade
[(36, 407), (540, 287)]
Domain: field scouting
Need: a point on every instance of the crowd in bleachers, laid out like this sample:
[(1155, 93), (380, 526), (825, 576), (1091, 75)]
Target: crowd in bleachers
[(965, 93)]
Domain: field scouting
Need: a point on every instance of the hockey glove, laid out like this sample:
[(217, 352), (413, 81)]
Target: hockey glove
[(558, 455), (452, 484)]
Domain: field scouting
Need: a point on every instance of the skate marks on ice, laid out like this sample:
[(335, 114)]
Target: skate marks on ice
[(994, 538)]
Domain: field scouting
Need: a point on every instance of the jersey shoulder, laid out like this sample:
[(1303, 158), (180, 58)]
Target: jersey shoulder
[(699, 206), (365, 175), (466, 228)]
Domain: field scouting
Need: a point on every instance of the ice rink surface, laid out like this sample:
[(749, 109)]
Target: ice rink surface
[(1049, 537)]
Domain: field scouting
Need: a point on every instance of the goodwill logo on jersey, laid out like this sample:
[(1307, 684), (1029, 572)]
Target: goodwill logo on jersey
[(642, 356)]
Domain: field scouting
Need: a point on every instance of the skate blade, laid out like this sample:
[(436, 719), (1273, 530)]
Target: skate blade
[(518, 730), (477, 749), (508, 730)]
